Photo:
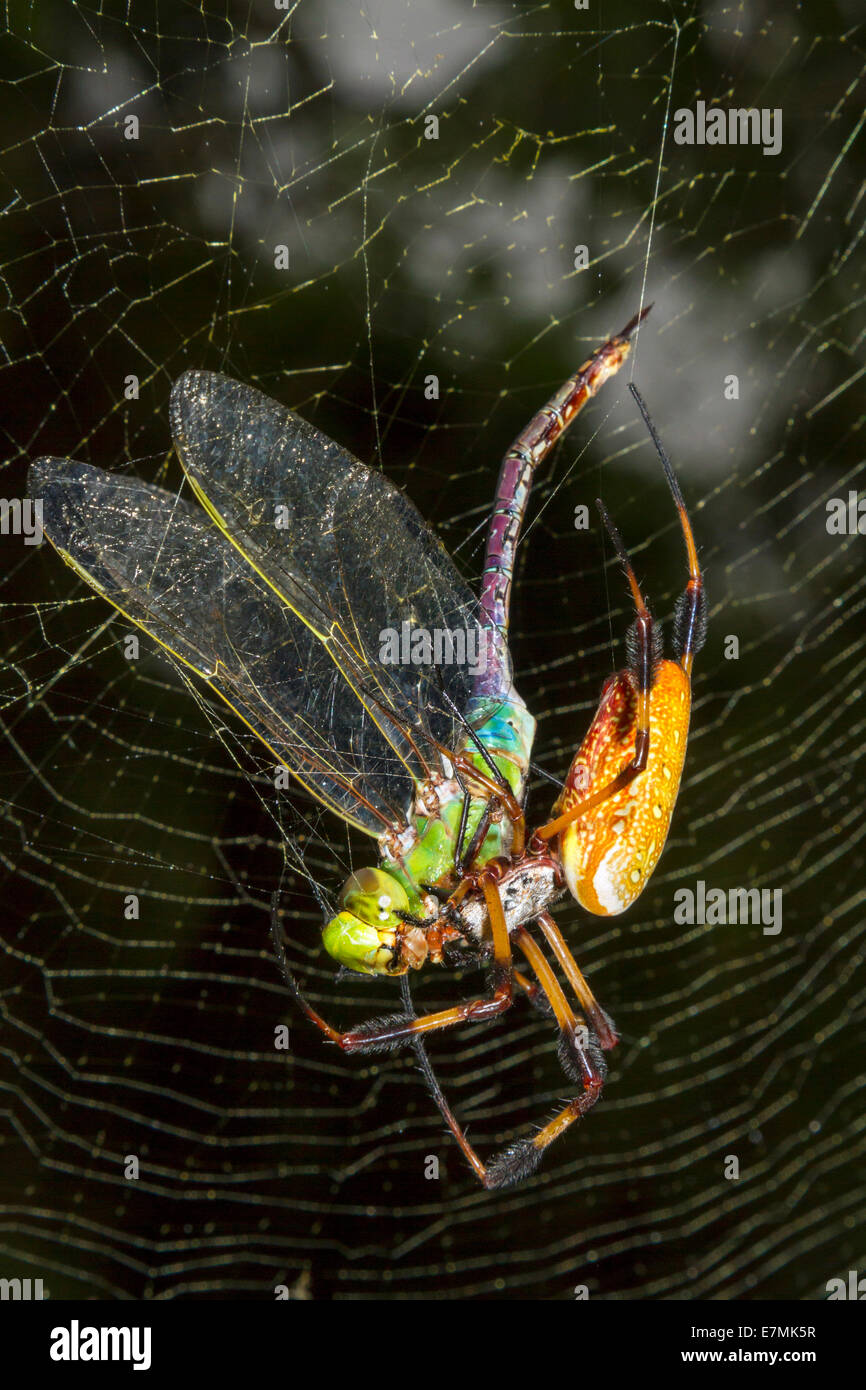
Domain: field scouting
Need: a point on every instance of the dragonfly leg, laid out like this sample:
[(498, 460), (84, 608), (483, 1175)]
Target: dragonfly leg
[(464, 858), (497, 790), (459, 866), (381, 1035)]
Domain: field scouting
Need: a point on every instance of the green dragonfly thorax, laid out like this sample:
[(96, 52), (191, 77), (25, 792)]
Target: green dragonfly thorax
[(506, 729), (368, 934)]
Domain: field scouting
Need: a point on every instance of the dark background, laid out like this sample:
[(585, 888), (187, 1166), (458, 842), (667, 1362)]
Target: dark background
[(454, 256)]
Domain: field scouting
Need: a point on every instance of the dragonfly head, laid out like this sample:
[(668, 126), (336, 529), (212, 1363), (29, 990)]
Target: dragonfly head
[(366, 932)]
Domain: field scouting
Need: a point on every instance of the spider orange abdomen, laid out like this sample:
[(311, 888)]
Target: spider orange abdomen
[(608, 854)]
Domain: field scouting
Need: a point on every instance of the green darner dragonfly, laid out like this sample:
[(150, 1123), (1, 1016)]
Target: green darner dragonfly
[(312, 598)]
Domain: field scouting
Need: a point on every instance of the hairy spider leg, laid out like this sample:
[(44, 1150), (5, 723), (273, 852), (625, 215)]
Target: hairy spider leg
[(384, 1034), (520, 1159), (534, 993), (583, 1062), (611, 835), (642, 671)]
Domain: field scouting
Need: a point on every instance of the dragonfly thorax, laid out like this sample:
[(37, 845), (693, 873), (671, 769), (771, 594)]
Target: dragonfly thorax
[(371, 933)]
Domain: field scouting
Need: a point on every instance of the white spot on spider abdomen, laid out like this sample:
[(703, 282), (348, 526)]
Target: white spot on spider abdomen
[(609, 882)]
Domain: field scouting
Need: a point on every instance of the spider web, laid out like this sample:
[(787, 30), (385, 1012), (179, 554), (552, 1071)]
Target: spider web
[(408, 256)]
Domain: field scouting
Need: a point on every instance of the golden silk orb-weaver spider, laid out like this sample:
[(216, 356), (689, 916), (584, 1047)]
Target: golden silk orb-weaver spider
[(613, 816)]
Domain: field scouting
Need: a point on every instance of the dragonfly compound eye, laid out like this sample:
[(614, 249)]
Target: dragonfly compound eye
[(363, 935)]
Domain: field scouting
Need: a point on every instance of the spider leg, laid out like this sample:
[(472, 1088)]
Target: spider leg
[(602, 1024), (417, 1042), (573, 1032), (534, 993), (643, 653), (626, 775), (384, 1034), (583, 1061), (519, 1159), (690, 617), (279, 940), (432, 1082)]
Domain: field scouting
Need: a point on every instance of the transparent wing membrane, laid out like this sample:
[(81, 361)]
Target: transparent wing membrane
[(161, 563), (343, 546)]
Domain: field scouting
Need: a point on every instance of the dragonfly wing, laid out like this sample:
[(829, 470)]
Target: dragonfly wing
[(343, 546), (161, 563)]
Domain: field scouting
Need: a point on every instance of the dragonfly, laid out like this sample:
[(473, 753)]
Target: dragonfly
[(309, 594)]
